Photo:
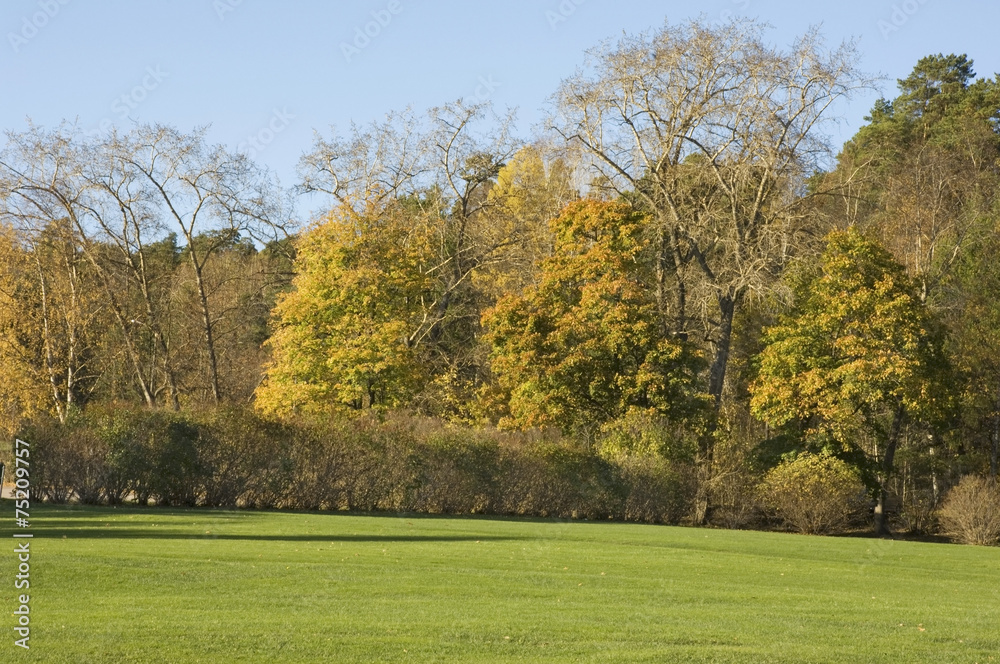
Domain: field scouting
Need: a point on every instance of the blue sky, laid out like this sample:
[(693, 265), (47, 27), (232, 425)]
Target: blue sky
[(277, 71)]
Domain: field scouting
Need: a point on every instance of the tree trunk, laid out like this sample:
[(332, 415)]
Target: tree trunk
[(881, 508), (717, 374), (71, 336), (206, 319), (161, 343), (133, 355), (701, 496), (995, 452), (123, 326), (678, 260), (716, 381), (661, 278), (47, 341)]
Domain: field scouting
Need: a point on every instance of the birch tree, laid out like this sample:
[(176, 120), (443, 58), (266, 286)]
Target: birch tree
[(120, 197), (48, 178), (209, 195)]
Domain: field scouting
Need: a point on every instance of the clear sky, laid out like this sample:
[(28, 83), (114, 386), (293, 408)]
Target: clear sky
[(278, 71)]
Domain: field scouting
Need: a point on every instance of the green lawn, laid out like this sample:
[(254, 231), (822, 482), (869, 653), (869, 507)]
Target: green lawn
[(151, 585)]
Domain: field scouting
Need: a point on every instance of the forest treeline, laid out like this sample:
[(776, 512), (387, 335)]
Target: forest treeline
[(676, 302)]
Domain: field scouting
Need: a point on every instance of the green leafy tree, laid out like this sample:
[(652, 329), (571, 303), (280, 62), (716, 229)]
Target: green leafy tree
[(857, 357), (922, 173), (921, 177), (584, 346), (974, 317)]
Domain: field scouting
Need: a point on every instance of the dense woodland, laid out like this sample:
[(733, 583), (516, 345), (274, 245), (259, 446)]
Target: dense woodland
[(677, 302)]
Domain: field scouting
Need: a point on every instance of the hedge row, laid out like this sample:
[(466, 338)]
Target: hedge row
[(234, 458)]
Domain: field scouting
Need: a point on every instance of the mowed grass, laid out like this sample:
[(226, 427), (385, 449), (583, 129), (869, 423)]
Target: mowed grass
[(155, 585)]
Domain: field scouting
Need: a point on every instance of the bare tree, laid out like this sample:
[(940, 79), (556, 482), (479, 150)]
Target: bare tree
[(121, 195), (715, 132), (383, 160), (123, 219), (442, 169), (44, 183), (211, 196)]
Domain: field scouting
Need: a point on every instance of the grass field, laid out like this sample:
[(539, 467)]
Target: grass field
[(152, 585)]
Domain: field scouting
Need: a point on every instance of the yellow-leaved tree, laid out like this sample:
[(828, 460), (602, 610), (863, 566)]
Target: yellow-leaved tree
[(349, 333), (584, 346), (50, 318), (529, 192), (857, 358), (22, 388)]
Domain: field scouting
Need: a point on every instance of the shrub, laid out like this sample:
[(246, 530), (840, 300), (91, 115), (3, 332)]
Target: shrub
[(232, 456), (734, 497), (559, 479), (129, 434), (67, 460), (813, 493), (971, 511), (109, 452), (383, 469), (244, 459), (54, 464), (653, 459), (645, 433), (457, 473), (734, 479), (657, 490), (316, 465), (149, 454)]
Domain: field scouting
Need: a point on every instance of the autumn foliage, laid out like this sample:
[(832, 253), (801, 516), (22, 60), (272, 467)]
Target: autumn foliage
[(585, 345), (814, 493), (348, 331), (677, 296)]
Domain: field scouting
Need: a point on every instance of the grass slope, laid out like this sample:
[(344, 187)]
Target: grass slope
[(150, 585)]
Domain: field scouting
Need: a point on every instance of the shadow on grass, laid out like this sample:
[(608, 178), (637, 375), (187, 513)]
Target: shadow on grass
[(47, 532), (74, 513), (76, 521), (79, 512)]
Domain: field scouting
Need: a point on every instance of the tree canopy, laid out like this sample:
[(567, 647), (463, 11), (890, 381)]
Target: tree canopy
[(856, 356), (349, 331), (584, 345), (652, 277)]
